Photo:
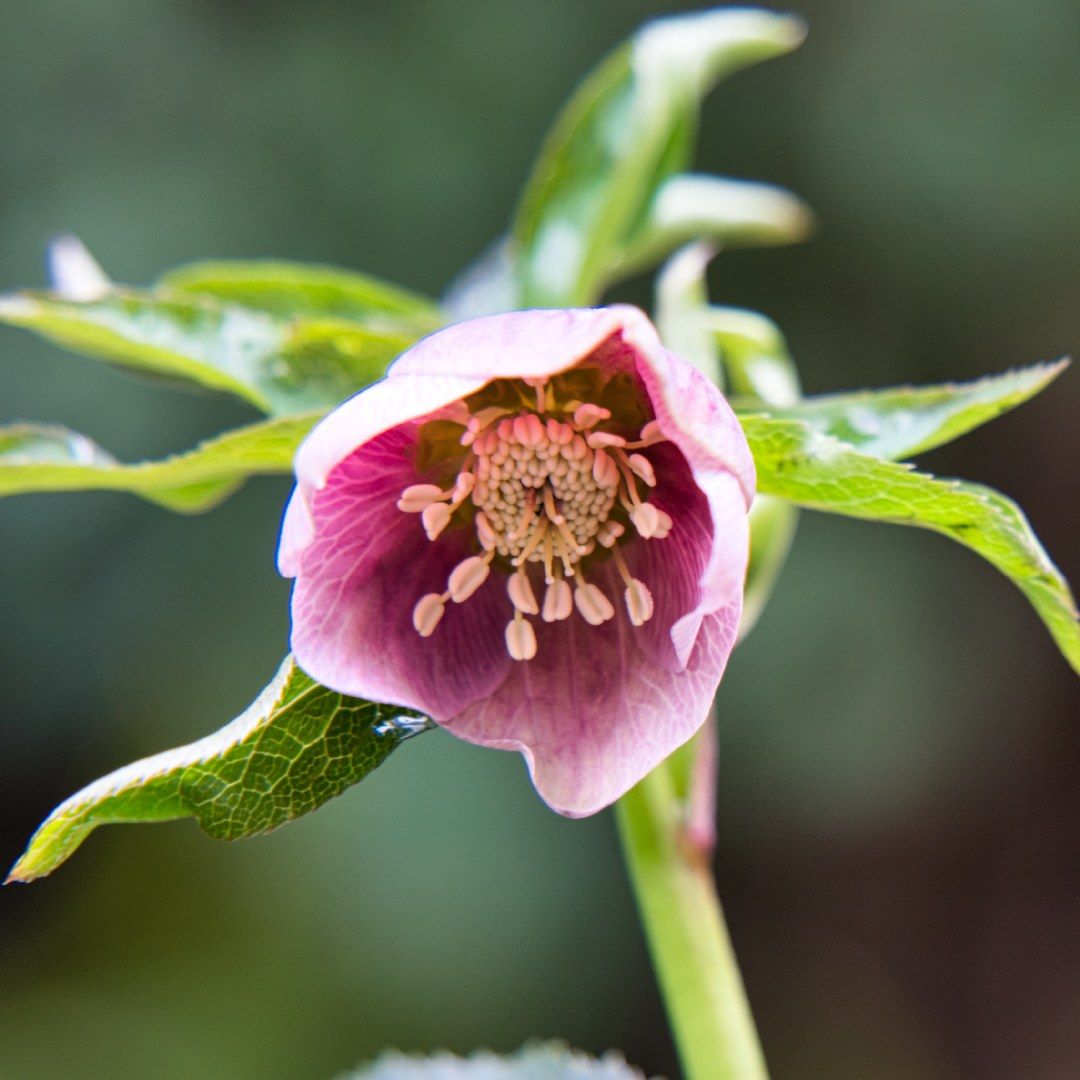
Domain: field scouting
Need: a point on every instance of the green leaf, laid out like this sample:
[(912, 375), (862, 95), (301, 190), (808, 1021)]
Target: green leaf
[(545, 1061), (295, 289), (281, 366), (820, 472), (898, 423), (629, 129), (40, 457), (298, 745)]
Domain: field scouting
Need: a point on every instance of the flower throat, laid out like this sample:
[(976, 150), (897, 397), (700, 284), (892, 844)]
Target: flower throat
[(549, 474)]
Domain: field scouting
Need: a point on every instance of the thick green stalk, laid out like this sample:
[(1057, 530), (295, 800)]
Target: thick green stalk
[(695, 965)]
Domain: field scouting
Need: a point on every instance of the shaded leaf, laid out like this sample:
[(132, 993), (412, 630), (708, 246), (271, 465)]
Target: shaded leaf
[(280, 366), (295, 747), (548, 1061), (628, 129), (39, 457), (296, 289), (908, 420), (820, 472)]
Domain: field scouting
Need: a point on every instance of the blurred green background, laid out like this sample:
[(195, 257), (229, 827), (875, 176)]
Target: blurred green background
[(899, 805)]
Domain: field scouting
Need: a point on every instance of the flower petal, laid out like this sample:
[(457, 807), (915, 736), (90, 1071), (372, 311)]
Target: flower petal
[(359, 579), (591, 713)]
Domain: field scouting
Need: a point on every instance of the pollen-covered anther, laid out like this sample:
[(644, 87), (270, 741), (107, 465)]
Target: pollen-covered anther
[(593, 606), (558, 601), (639, 602), (436, 516), (418, 497), (426, 614), (646, 519), (521, 593), (467, 577), (641, 467), (609, 532), (589, 415), (520, 638)]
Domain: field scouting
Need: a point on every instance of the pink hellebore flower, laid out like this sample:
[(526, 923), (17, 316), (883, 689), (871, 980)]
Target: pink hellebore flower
[(534, 531)]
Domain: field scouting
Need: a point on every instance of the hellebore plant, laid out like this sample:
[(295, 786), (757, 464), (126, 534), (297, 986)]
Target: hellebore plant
[(542, 526)]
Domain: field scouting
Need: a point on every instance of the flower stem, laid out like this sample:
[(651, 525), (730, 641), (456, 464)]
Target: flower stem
[(692, 954)]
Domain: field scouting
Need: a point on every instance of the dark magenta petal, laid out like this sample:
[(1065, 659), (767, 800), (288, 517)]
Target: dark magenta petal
[(359, 579)]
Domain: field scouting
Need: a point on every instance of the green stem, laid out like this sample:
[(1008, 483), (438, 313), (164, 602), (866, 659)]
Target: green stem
[(695, 965)]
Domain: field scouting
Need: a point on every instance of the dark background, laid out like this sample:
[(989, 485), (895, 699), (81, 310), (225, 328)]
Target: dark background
[(898, 801)]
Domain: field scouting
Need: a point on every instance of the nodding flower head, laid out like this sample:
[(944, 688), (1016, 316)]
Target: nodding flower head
[(533, 530)]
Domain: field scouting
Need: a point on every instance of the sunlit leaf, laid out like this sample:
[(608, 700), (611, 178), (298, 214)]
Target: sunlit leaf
[(550, 1061), (40, 457), (628, 129), (820, 472), (298, 745), (280, 365), (292, 289), (907, 420)]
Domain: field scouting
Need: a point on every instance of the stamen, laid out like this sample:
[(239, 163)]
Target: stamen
[(663, 525), (426, 614), (609, 532), (542, 490), (550, 509), (484, 532), (468, 576), (639, 602), (418, 496), (435, 517), (534, 542), (589, 415), (558, 601), (646, 519), (604, 470), (641, 466), (595, 608), (598, 439), (521, 593), (520, 638), (650, 436)]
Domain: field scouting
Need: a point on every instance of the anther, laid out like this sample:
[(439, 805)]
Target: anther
[(435, 517), (597, 439), (418, 496), (604, 470), (609, 532), (558, 601), (426, 614), (595, 608), (646, 518), (467, 577), (520, 638), (639, 602), (521, 593), (641, 466), (484, 532), (589, 415)]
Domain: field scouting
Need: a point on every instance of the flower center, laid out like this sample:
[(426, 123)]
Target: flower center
[(543, 484)]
